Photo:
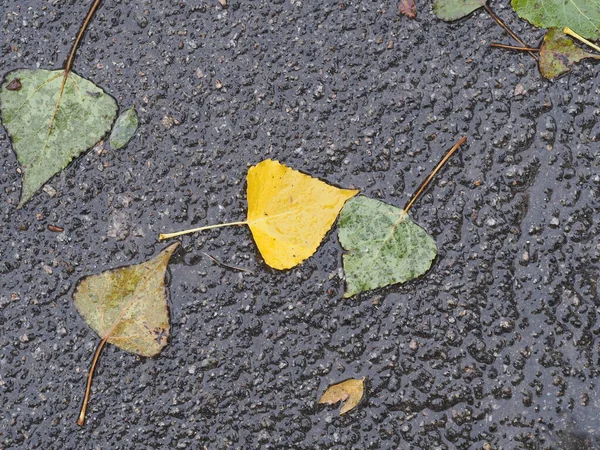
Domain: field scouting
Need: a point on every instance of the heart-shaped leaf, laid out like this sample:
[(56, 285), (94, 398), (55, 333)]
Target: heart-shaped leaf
[(450, 10), (51, 121), (384, 246), (289, 213), (583, 16), (127, 307)]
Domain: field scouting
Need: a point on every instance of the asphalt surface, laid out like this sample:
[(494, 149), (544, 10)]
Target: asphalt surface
[(496, 347)]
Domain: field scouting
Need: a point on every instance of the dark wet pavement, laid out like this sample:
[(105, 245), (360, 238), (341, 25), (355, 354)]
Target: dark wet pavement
[(496, 347)]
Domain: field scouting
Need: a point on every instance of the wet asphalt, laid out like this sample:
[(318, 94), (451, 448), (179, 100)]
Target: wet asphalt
[(496, 347)]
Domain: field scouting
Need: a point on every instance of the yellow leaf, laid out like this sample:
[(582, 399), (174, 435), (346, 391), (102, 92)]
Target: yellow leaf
[(289, 212), (351, 391)]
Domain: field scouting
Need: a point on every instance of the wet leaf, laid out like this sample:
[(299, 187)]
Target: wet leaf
[(48, 125), (558, 53), (384, 246), (350, 391), (124, 129), (289, 213), (408, 8), (450, 10), (583, 16), (127, 307)]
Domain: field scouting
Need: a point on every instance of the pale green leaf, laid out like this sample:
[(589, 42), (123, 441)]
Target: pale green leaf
[(558, 53), (49, 130), (124, 129), (583, 16), (450, 10), (127, 306), (384, 246)]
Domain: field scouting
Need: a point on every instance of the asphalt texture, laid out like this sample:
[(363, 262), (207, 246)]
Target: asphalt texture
[(496, 347)]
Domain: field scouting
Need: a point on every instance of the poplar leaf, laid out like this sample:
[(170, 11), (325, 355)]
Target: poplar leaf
[(558, 53), (289, 213), (450, 10), (350, 391), (384, 246), (124, 129), (126, 307), (49, 123), (583, 16)]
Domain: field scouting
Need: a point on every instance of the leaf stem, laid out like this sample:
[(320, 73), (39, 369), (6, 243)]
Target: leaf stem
[(433, 173), (512, 47), (508, 30), (88, 389), (69, 62), (570, 32), (75, 46), (164, 236)]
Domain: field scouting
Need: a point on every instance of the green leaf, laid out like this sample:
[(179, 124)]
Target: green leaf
[(384, 246), (127, 306), (450, 10), (558, 53), (124, 129), (49, 125), (583, 16)]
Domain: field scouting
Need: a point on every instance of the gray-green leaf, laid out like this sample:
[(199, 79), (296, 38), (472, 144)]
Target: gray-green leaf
[(49, 130), (450, 10), (384, 246), (582, 16), (124, 129)]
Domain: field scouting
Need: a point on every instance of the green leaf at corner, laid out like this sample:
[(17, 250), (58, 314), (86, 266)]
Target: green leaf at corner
[(127, 306), (47, 138), (582, 16), (124, 129), (384, 246), (450, 10), (558, 53)]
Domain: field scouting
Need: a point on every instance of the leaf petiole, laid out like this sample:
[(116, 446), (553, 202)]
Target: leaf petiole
[(512, 47), (164, 236), (434, 172), (88, 388), (570, 32)]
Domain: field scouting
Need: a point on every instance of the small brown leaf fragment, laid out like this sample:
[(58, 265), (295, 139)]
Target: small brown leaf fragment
[(351, 391), (408, 8), (56, 229), (14, 85)]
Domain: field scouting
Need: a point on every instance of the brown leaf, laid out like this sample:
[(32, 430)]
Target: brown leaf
[(351, 391), (408, 8)]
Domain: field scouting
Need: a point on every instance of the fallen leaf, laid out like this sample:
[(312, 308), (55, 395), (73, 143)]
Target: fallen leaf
[(124, 129), (450, 10), (126, 307), (408, 8), (48, 125), (384, 246), (558, 53), (350, 391), (583, 16), (289, 213)]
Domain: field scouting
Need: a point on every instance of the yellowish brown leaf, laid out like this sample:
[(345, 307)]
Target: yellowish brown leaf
[(350, 391)]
